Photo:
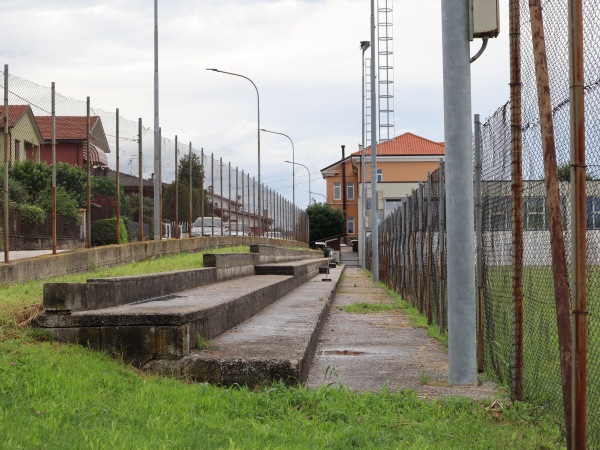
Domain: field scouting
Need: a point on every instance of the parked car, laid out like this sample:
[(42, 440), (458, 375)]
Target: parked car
[(273, 234), (212, 227), (239, 229)]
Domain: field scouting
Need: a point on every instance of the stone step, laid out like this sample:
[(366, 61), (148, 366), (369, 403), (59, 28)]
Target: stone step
[(168, 326), (276, 344)]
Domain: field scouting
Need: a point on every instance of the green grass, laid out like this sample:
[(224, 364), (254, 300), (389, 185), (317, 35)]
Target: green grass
[(61, 396), (64, 396)]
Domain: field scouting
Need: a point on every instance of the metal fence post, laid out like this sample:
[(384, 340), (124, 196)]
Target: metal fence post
[(578, 225), (6, 201), (557, 244), (54, 170), (429, 252), (117, 180), (442, 246), (177, 193), (141, 182), (88, 190), (479, 243), (516, 144)]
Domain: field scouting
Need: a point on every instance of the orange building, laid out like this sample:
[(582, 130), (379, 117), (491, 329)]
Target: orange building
[(402, 163)]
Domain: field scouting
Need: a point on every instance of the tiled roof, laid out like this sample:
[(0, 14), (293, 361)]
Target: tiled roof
[(406, 144), (67, 127), (15, 112)]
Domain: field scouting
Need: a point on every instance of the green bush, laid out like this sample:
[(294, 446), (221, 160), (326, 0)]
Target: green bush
[(31, 213), (104, 232)]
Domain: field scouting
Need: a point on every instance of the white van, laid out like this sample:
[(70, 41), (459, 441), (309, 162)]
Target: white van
[(212, 227)]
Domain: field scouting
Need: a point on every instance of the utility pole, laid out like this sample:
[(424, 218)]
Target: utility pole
[(374, 218), (459, 199)]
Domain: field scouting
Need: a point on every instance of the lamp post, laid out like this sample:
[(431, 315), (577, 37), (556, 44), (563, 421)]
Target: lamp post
[(293, 174), (258, 140), (364, 45), (291, 162), (316, 193)]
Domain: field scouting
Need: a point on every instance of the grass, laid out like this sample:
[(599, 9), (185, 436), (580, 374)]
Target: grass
[(55, 395), (204, 344), (64, 396)]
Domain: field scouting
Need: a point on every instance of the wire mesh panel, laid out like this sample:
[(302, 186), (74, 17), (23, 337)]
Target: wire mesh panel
[(97, 150)]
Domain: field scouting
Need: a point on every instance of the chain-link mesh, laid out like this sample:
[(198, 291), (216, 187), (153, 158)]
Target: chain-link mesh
[(120, 150), (419, 250)]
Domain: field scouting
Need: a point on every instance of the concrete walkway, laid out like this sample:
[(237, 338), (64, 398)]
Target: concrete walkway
[(370, 351)]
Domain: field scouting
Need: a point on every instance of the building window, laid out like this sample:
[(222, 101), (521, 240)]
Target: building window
[(379, 175), (535, 213), (350, 225), (337, 191), (497, 213), (350, 189), (593, 213)]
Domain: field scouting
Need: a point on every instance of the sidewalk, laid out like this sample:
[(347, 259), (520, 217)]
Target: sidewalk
[(370, 351)]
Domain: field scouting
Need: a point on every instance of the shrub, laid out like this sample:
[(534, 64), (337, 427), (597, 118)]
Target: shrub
[(104, 232), (31, 213)]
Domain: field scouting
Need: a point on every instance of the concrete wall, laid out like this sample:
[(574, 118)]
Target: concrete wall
[(84, 260)]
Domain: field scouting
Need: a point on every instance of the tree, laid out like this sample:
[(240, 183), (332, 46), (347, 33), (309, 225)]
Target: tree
[(564, 173), (324, 221), (183, 170), (184, 202)]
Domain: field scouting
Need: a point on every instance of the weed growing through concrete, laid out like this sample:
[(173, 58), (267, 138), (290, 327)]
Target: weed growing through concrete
[(424, 379), (204, 344)]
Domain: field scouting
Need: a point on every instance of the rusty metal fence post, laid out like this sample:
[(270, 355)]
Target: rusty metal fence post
[(516, 144), (557, 245)]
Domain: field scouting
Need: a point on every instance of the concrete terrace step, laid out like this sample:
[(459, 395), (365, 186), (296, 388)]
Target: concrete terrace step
[(118, 316), (167, 327), (276, 344)]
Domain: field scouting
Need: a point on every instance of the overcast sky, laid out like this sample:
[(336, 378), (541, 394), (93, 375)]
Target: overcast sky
[(303, 55)]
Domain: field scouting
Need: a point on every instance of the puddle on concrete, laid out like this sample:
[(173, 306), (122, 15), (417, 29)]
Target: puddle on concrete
[(341, 352)]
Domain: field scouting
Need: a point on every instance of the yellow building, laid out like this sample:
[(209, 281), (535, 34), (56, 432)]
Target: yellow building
[(402, 163), (24, 137)]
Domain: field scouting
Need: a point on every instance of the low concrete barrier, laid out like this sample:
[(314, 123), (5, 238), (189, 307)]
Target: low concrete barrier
[(99, 293), (86, 259)]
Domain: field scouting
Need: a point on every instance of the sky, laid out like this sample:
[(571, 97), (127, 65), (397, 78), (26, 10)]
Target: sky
[(303, 56)]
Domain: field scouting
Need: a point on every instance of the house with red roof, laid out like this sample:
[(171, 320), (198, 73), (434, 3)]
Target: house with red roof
[(24, 136), (71, 140), (402, 163)]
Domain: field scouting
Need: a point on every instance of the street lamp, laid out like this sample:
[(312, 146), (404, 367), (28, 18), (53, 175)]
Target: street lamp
[(364, 45), (258, 141), (293, 172), (292, 162), (316, 193)]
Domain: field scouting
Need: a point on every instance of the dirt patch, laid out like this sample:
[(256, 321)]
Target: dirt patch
[(383, 349)]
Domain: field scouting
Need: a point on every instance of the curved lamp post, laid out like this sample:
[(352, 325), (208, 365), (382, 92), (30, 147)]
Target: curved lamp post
[(292, 162), (258, 141), (316, 193), (293, 173)]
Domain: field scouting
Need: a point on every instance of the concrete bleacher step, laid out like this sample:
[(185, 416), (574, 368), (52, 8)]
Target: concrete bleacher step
[(167, 326), (276, 344)]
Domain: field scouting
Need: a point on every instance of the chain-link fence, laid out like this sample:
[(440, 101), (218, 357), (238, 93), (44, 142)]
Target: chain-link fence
[(67, 197), (512, 229)]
